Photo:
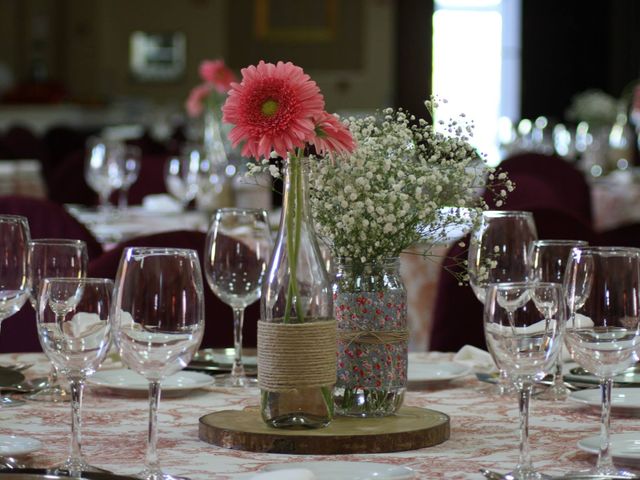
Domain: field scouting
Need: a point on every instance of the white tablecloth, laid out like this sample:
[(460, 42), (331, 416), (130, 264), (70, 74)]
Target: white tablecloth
[(483, 432)]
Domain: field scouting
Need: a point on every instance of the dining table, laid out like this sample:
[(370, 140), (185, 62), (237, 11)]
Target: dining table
[(483, 428)]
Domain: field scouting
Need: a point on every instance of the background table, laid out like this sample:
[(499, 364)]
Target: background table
[(483, 432)]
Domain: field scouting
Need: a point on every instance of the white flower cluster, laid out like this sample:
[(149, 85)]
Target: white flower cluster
[(393, 190), (594, 107)]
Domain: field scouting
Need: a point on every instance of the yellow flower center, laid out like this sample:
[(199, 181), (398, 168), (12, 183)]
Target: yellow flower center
[(269, 108)]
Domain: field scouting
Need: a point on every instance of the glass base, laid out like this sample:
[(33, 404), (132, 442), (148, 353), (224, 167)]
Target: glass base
[(75, 468), (55, 394), (8, 402), (240, 381), (526, 475), (553, 393), (148, 474), (602, 472)]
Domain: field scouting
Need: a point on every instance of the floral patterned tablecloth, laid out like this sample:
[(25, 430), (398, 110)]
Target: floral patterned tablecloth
[(483, 431)]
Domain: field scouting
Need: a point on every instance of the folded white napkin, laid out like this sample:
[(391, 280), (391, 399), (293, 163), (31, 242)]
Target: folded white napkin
[(84, 325), (288, 474), (480, 360), (161, 202)]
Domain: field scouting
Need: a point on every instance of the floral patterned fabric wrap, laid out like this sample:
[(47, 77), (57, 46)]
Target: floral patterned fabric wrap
[(372, 347)]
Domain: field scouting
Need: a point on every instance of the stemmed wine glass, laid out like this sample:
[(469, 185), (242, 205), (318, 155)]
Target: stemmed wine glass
[(103, 169), (131, 164), (523, 324), (14, 289), (158, 322), (498, 252), (181, 177), (75, 332), (53, 257), (238, 247), (603, 335), (548, 259)]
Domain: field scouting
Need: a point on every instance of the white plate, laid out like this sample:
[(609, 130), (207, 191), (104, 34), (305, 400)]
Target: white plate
[(348, 470), (421, 371), (130, 381), (13, 446), (624, 446), (622, 399)]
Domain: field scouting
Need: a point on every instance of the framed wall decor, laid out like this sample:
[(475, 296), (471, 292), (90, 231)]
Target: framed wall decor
[(157, 56)]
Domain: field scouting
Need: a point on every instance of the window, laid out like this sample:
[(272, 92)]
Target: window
[(476, 65)]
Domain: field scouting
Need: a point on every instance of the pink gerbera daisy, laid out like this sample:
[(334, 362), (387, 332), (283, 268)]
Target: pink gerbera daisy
[(196, 99), (272, 109), (217, 74), (332, 136)]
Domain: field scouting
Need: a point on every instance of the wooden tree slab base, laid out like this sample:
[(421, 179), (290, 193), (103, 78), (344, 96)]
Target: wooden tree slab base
[(411, 428)]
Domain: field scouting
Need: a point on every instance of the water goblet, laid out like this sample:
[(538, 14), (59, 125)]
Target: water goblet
[(75, 333), (523, 324), (603, 295), (498, 252), (238, 247), (158, 323), (548, 259), (131, 164), (181, 177), (14, 289), (53, 257), (103, 170)]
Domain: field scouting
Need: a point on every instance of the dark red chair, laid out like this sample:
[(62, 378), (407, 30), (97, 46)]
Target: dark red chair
[(218, 315), (46, 220), (457, 314), (547, 181)]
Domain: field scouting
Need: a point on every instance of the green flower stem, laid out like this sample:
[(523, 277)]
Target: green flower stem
[(294, 222)]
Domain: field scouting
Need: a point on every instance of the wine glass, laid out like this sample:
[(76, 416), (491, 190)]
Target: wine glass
[(548, 262), (158, 322), (53, 257), (602, 288), (103, 169), (74, 330), (238, 247), (523, 325), (498, 252), (181, 177), (131, 163), (14, 289)]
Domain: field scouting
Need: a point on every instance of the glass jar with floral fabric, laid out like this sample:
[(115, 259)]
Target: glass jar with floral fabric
[(370, 307)]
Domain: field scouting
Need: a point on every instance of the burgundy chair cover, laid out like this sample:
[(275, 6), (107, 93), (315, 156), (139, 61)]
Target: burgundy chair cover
[(218, 315), (570, 190), (46, 220), (623, 236), (457, 314), (20, 142), (66, 182), (71, 173)]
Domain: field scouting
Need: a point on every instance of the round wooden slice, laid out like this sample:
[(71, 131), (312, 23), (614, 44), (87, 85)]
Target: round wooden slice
[(409, 429)]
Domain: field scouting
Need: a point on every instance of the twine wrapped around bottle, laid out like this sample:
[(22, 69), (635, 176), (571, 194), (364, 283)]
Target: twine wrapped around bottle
[(296, 355), (379, 337)]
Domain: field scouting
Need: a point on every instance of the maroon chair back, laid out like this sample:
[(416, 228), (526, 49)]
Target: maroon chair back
[(457, 314), (20, 142), (218, 315), (547, 181), (46, 220)]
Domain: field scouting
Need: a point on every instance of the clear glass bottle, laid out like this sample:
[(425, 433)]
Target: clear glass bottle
[(370, 306), (297, 292)]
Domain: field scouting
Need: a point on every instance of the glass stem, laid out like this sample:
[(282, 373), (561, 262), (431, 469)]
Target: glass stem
[(151, 463), (558, 379), (238, 319), (605, 461), (123, 198), (75, 451), (524, 463)]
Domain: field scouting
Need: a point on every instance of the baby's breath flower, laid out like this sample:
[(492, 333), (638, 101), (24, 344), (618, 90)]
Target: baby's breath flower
[(391, 192)]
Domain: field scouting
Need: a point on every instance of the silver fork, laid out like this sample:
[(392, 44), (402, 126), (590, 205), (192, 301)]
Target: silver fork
[(491, 475)]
